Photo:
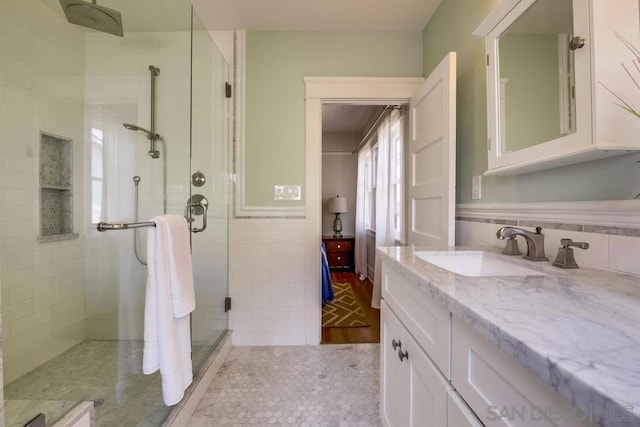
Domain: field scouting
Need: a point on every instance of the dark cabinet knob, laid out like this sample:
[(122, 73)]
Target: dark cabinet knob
[(395, 344), (403, 355)]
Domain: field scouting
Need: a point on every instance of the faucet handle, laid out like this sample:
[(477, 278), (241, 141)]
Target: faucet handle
[(565, 243), (565, 258)]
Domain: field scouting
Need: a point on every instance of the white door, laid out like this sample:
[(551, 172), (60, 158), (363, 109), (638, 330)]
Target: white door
[(432, 158)]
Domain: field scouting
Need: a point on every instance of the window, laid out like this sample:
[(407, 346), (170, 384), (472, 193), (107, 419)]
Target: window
[(97, 174), (371, 170), (397, 174)]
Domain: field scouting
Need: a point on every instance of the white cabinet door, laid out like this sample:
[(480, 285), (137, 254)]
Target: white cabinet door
[(500, 390), (391, 369), (458, 413), (427, 389), (426, 319), (432, 164), (412, 391)]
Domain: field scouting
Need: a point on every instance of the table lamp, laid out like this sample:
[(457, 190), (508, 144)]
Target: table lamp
[(337, 205)]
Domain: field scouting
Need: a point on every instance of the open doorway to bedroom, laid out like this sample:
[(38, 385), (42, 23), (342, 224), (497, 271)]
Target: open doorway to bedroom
[(362, 192)]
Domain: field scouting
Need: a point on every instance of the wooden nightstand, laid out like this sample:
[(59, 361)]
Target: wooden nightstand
[(340, 252)]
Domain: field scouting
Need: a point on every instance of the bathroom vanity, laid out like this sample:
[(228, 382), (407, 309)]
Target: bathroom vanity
[(520, 344)]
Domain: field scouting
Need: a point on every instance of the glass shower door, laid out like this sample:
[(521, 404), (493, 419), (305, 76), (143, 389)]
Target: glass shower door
[(210, 158)]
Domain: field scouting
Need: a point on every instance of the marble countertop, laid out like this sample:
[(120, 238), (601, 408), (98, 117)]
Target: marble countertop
[(577, 330)]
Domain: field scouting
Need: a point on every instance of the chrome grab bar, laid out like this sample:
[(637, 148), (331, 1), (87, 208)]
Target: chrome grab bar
[(197, 205), (105, 226)]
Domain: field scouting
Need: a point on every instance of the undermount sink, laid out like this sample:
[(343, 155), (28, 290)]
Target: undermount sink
[(476, 264)]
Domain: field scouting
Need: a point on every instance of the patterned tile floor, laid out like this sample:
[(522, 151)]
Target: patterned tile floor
[(106, 370), (329, 385)]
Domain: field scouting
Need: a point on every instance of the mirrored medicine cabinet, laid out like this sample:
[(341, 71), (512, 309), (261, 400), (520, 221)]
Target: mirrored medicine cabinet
[(552, 66)]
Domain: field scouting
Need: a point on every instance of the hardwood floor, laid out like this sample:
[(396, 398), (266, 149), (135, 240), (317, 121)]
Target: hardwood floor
[(365, 334)]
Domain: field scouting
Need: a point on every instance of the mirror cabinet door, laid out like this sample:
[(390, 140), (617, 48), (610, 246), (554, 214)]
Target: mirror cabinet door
[(539, 85), (556, 73), (536, 72)]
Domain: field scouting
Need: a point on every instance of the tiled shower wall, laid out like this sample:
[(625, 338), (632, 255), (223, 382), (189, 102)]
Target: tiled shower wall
[(41, 89)]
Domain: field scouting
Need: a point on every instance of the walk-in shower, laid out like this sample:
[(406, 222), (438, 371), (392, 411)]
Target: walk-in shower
[(91, 15), (73, 305)]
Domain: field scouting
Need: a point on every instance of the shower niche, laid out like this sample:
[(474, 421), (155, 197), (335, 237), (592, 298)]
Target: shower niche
[(56, 188)]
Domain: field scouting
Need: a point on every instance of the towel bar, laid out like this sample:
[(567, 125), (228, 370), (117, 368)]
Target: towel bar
[(105, 226)]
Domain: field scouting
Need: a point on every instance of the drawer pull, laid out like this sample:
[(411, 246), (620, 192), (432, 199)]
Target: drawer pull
[(339, 258), (403, 355), (339, 246), (395, 344)]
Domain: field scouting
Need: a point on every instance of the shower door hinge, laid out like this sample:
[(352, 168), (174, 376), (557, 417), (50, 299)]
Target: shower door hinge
[(227, 304), (227, 89)]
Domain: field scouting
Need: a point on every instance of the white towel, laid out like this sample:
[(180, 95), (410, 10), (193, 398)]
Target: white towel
[(169, 300)]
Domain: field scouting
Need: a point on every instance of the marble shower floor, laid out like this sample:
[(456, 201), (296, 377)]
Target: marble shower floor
[(108, 370), (328, 385)]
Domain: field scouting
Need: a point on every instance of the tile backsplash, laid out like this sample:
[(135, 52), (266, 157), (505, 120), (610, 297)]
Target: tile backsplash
[(614, 239)]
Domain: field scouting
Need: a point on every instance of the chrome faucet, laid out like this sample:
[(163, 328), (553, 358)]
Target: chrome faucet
[(535, 241)]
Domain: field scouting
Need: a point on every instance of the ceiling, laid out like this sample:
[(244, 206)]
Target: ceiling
[(272, 15), (347, 118), (308, 15)]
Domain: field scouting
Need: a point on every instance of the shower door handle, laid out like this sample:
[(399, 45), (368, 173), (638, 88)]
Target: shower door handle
[(197, 205)]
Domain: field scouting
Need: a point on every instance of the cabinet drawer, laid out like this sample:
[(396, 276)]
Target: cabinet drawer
[(339, 245), (427, 320), (339, 260), (501, 391)]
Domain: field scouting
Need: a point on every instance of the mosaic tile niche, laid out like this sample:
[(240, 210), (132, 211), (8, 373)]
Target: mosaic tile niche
[(56, 188)]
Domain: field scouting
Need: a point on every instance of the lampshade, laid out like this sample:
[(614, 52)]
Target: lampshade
[(337, 205)]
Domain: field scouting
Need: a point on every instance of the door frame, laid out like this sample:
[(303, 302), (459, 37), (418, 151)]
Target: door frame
[(334, 90)]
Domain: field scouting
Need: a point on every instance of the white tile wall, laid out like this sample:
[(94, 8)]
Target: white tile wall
[(609, 252), (41, 88), (267, 281)]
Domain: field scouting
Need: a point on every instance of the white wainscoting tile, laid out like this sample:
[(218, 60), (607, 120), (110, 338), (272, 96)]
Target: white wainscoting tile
[(623, 254)]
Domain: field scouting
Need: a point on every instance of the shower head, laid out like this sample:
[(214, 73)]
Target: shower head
[(91, 15), (152, 137), (136, 128)]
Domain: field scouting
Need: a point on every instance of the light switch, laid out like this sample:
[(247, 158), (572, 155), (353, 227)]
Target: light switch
[(476, 187), (287, 192)]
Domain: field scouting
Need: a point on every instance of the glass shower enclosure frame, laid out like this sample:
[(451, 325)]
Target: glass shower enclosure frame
[(73, 297)]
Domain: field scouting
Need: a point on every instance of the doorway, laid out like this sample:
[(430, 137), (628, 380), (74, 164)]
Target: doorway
[(347, 315), (334, 90), (364, 165)]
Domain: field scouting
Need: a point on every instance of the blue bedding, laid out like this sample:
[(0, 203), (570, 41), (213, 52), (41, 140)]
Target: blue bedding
[(327, 288)]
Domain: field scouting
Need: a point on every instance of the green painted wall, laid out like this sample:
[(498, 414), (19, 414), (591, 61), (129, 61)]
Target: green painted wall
[(277, 62), (450, 29)]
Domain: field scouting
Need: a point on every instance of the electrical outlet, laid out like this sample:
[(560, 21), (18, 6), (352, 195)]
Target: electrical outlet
[(476, 187), (287, 192)]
